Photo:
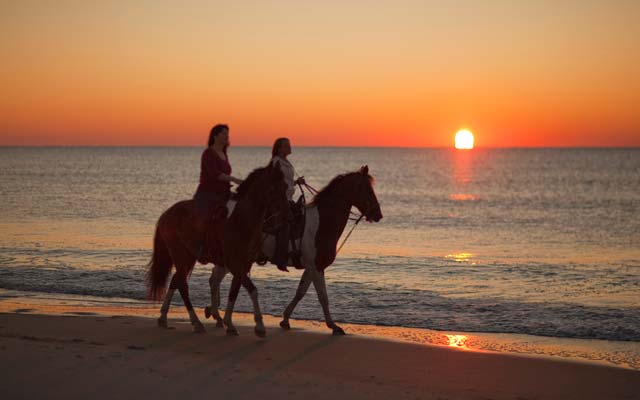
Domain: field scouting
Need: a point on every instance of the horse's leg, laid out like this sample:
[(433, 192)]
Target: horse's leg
[(217, 275), (184, 263), (323, 297), (162, 321), (257, 314), (305, 281), (179, 282), (228, 314), (164, 310)]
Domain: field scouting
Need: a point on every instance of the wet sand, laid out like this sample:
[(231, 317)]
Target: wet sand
[(72, 351)]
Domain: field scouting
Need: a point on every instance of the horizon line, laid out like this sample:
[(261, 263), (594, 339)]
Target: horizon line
[(324, 146)]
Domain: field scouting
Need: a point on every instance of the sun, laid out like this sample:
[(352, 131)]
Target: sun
[(464, 139)]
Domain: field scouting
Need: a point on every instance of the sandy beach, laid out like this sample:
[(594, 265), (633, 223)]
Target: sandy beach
[(58, 351), (455, 184)]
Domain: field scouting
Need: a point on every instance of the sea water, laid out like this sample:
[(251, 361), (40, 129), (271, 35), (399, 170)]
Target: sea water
[(527, 241)]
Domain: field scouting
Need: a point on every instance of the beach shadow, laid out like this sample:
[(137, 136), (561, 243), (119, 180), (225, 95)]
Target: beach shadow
[(23, 310), (81, 313), (231, 357), (263, 377)]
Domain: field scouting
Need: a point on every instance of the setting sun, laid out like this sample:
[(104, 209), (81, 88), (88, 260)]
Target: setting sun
[(464, 139)]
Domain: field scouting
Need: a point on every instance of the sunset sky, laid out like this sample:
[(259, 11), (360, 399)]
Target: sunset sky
[(331, 73)]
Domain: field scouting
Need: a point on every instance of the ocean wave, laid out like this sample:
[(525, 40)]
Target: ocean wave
[(353, 302)]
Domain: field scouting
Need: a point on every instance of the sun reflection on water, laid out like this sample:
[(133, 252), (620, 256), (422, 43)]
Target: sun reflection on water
[(463, 197), (459, 257), (458, 341), (463, 168)]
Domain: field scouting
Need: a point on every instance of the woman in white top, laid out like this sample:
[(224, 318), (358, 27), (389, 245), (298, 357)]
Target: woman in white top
[(279, 153)]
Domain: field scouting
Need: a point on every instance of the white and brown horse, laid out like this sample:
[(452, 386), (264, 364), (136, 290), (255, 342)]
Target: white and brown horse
[(325, 220), (240, 235)]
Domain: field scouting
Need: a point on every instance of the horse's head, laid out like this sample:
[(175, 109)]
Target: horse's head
[(365, 198)]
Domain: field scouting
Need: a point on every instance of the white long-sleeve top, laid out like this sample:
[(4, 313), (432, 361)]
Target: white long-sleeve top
[(287, 169)]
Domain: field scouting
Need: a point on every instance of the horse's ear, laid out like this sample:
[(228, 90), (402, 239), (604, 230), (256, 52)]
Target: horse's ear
[(364, 170)]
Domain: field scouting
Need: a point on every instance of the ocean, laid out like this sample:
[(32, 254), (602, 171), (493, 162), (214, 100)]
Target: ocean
[(541, 242)]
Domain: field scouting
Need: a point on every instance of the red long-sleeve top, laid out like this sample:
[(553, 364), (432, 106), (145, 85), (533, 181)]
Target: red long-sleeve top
[(211, 166)]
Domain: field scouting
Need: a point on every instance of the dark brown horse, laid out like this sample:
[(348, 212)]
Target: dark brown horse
[(262, 194), (325, 220)]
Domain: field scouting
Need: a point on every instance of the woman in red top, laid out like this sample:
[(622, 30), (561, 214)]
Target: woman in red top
[(215, 183), (215, 170)]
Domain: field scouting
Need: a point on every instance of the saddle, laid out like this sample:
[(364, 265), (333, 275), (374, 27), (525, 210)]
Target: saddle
[(296, 230)]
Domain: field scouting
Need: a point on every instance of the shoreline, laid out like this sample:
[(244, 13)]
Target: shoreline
[(590, 351)]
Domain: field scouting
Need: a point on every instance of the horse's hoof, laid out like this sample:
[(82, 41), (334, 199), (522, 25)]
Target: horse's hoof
[(207, 312), (337, 331), (285, 325), (162, 323), (232, 332), (261, 333), (219, 324), (199, 328)]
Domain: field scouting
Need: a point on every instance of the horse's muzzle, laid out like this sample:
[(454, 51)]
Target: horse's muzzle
[(375, 216)]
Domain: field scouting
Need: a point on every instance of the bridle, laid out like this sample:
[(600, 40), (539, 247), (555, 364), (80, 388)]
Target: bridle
[(369, 206)]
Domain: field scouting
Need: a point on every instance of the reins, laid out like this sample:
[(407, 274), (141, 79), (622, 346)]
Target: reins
[(349, 234), (353, 216)]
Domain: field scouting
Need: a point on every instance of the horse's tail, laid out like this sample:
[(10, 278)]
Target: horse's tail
[(159, 268)]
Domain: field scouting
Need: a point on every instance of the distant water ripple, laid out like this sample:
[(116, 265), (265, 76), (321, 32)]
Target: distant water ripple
[(533, 241)]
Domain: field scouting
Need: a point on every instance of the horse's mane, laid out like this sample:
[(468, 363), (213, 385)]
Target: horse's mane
[(328, 190), (244, 187)]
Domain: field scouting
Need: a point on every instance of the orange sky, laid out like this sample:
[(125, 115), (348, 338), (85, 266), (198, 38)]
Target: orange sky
[(333, 73)]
